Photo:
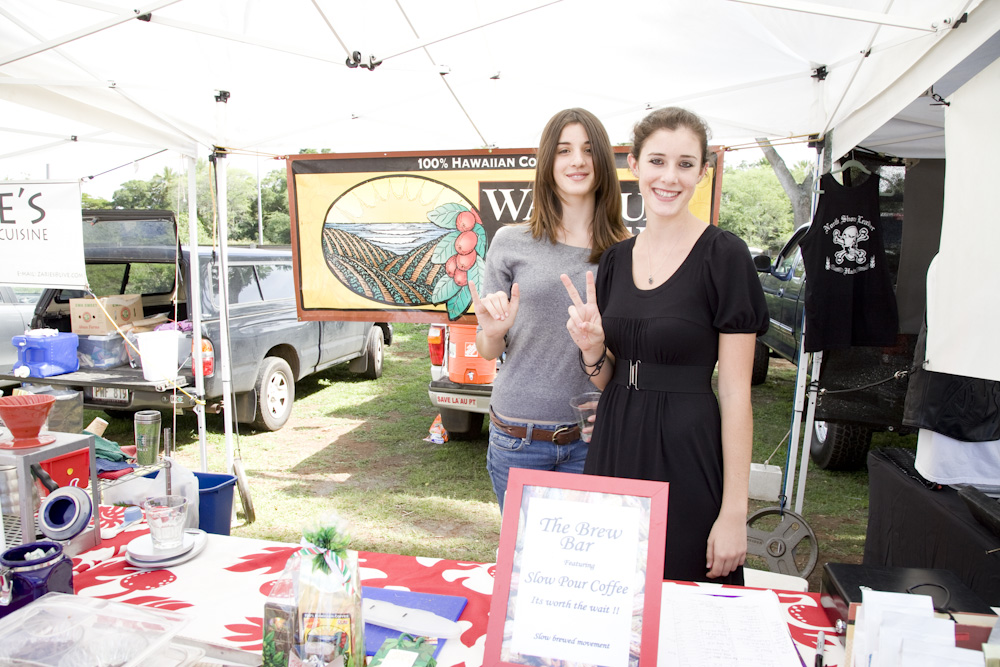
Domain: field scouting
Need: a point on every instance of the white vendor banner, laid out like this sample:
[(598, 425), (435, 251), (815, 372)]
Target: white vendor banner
[(41, 234)]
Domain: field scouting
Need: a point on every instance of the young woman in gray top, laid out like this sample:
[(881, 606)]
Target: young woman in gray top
[(576, 215)]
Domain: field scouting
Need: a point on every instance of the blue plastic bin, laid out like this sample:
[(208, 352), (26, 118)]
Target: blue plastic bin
[(215, 502), (46, 356)]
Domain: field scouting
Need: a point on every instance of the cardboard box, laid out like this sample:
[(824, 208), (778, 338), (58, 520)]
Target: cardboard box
[(87, 317)]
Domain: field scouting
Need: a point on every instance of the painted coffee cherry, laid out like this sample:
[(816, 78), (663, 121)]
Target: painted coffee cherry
[(461, 278), (450, 265), (466, 261), (465, 221), (466, 242)]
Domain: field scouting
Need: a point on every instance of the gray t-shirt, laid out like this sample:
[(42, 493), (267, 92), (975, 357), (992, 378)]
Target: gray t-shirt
[(542, 370)]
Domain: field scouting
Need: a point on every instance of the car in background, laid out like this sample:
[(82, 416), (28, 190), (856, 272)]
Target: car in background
[(270, 349), (848, 411), (17, 303), (462, 405)]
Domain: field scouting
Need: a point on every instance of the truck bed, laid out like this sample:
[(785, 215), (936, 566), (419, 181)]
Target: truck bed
[(121, 388), (120, 377)]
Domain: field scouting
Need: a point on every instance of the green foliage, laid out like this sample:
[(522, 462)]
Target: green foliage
[(274, 204), (167, 190), (755, 207), (88, 201)]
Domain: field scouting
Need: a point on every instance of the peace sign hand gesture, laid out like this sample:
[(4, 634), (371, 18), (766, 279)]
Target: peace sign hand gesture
[(584, 322)]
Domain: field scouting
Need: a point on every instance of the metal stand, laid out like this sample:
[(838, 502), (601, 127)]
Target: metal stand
[(20, 529), (805, 401)]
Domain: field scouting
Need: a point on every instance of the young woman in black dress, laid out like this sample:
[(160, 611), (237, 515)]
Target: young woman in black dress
[(668, 305)]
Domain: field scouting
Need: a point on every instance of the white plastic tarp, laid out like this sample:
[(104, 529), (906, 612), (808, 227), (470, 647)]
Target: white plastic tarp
[(460, 73), (963, 302)]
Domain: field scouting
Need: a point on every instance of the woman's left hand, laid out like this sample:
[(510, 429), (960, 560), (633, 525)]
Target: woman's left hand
[(727, 546), (584, 322)]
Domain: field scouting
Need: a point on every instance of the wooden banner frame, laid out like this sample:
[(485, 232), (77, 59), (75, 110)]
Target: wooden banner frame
[(625, 513)]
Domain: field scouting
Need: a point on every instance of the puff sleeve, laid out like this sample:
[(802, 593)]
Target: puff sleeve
[(734, 290)]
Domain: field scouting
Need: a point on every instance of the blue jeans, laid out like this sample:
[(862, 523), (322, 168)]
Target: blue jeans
[(507, 452)]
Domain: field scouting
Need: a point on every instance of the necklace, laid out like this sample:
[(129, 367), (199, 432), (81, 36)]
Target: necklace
[(649, 258)]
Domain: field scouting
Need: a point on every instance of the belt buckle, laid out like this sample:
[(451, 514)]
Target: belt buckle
[(561, 429), (633, 374)]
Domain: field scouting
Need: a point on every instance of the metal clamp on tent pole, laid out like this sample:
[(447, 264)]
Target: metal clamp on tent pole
[(354, 61)]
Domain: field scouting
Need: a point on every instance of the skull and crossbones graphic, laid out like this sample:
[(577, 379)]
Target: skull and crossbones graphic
[(848, 240)]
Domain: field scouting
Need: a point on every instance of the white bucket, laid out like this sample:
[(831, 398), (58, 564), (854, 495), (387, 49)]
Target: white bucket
[(158, 351)]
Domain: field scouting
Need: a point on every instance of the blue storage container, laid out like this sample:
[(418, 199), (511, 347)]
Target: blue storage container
[(45, 356), (101, 352), (215, 502)]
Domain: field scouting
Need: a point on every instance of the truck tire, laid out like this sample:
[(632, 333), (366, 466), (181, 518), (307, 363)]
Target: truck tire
[(462, 425), (839, 446), (375, 353), (761, 360), (275, 394)]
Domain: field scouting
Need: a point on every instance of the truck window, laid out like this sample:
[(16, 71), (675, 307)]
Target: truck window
[(128, 278), (243, 285), (276, 281), (785, 267)]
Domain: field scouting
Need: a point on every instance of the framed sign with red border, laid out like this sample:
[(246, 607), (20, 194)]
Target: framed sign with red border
[(579, 571)]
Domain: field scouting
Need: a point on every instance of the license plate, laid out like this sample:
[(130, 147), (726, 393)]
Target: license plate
[(111, 395)]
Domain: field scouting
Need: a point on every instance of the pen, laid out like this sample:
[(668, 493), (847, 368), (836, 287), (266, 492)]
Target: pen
[(820, 646)]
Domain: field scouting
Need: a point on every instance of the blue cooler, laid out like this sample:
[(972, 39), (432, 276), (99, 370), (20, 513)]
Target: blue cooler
[(47, 355)]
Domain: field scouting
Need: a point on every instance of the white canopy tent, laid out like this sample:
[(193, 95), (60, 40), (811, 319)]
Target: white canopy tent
[(399, 75), (459, 74)]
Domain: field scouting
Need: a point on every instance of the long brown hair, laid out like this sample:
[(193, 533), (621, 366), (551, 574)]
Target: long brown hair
[(607, 227)]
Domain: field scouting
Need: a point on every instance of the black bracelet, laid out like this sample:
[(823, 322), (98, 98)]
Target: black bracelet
[(596, 365)]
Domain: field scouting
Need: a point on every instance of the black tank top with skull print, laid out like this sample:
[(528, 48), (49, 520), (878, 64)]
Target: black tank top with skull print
[(850, 298)]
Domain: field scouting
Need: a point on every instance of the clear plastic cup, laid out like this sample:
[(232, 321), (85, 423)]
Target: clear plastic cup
[(166, 516), (585, 406)]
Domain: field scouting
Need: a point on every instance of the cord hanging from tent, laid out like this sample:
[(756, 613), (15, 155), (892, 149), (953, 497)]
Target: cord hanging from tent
[(127, 164)]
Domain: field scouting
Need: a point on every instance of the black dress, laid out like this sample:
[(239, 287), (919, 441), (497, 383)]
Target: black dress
[(673, 435)]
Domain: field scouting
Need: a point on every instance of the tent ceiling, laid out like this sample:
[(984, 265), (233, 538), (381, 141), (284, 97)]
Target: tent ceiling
[(470, 73)]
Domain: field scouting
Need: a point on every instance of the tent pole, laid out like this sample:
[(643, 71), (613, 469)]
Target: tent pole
[(802, 391), (807, 430), (125, 16), (194, 306), (260, 208), (845, 13), (797, 406), (228, 408)]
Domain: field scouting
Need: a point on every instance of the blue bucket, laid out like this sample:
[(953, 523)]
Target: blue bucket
[(215, 502)]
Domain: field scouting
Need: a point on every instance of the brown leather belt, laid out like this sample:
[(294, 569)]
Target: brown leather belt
[(560, 436)]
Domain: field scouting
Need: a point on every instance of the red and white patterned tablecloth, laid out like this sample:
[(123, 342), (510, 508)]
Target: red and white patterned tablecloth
[(224, 588)]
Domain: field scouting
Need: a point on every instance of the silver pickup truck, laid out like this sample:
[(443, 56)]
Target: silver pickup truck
[(136, 252)]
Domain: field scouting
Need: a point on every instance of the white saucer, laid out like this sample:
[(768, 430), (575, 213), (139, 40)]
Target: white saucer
[(141, 548), (199, 540)]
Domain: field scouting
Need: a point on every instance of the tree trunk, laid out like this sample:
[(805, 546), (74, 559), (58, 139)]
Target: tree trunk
[(800, 194)]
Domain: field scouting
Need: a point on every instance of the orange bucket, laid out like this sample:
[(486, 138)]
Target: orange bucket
[(465, 366)]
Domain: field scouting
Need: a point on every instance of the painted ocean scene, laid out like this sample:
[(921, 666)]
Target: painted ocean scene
[(397, 238)]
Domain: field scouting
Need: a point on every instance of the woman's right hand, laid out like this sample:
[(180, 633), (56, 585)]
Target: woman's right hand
[(495, 312), (584, 322)]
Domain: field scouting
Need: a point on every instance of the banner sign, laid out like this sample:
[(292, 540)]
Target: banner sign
[(399, 236), (41, 234), (578, 571)]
